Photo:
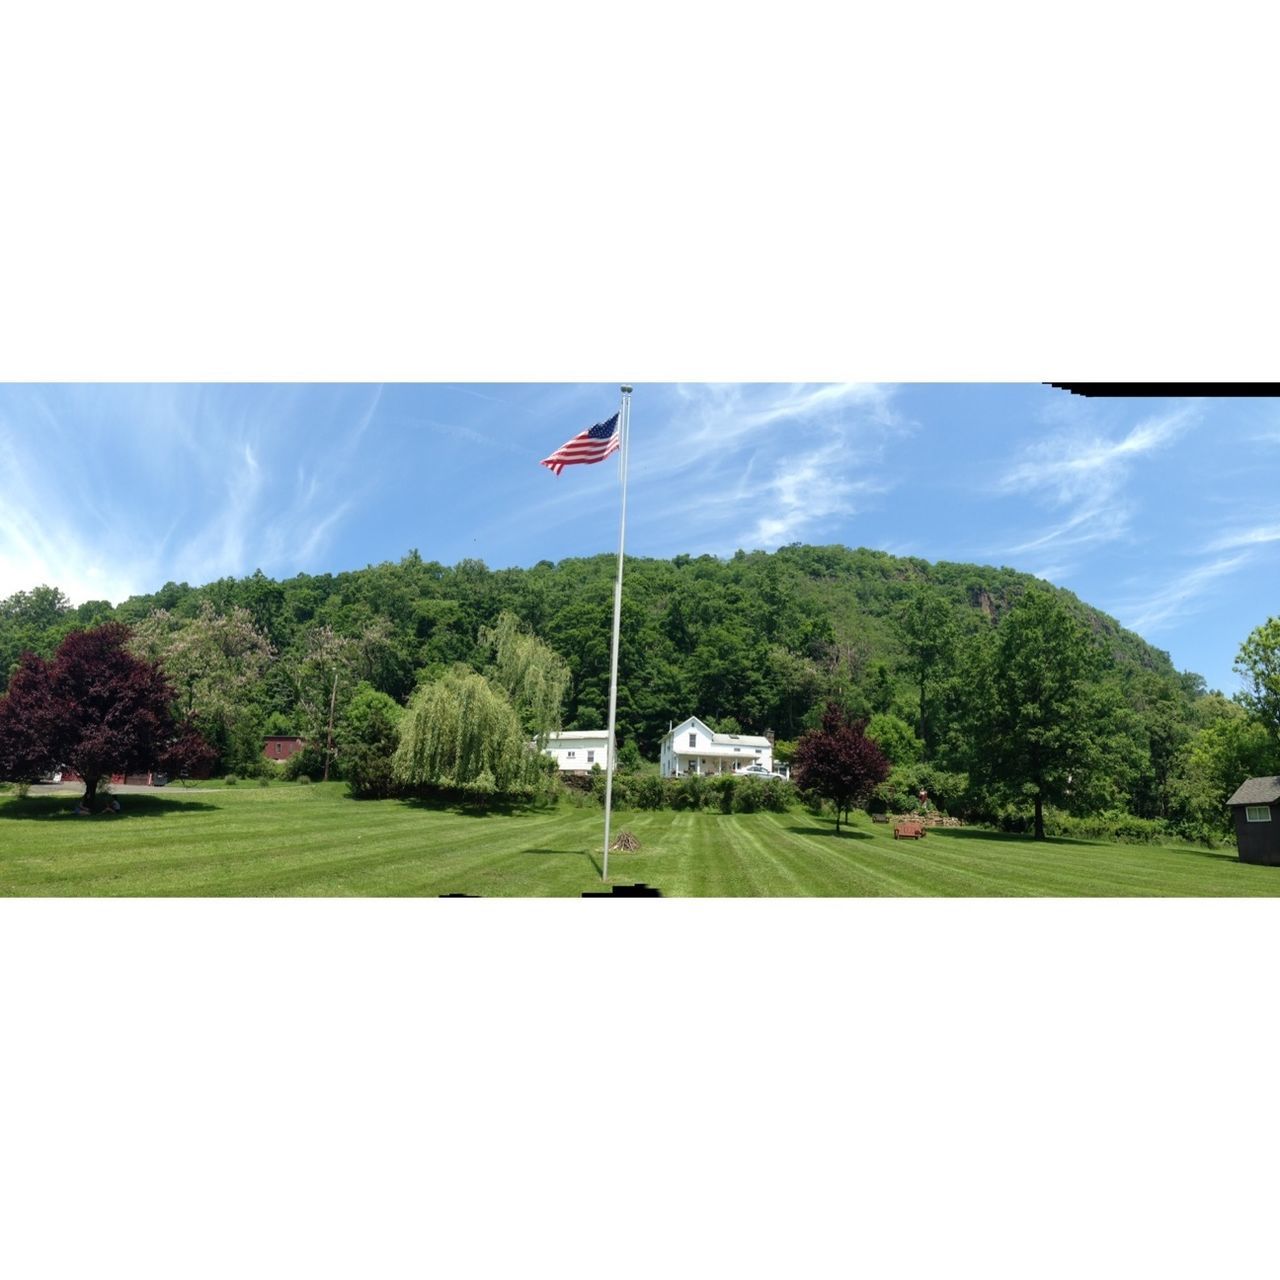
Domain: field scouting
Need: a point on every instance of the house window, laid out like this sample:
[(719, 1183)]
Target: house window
[(1257, 813), (568, 755), (737, 748), (693, 739), (591, 757)]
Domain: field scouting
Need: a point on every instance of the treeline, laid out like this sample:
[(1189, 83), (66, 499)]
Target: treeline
[(753, 643)]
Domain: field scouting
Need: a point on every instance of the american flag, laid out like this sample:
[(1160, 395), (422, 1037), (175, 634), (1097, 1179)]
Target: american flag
[(591, 446)]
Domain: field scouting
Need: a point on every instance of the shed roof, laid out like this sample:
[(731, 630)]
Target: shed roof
[(1257, 791)]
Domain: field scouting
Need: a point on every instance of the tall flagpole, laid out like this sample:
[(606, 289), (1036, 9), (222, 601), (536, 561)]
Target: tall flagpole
[(624, 427)]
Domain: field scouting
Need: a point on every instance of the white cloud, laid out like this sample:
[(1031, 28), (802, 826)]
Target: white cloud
[(1258, 536), (1184, 594), (715, 467), (74, 462), (1085, 476)]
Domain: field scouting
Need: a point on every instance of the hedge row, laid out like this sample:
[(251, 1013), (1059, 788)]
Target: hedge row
[(726, 793), (1121, 827)]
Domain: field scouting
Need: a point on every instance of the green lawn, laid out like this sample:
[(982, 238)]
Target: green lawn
[(312, 840)]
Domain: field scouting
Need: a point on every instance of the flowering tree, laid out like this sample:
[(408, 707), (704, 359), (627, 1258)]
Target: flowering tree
[(213, 661), (839, 762), (95, 709)]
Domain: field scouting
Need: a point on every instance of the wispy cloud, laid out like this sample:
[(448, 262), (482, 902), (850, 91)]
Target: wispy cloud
[(776, 462), (1258, 536), (805, 492), (1184, 594), (716, 467), (109, 491), (1084, 477)]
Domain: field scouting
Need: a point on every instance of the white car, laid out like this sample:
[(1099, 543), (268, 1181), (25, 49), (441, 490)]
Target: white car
[(758, 771)]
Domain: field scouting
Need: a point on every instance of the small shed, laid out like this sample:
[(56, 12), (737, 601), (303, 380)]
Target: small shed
[(281, 746), (1256, 809)]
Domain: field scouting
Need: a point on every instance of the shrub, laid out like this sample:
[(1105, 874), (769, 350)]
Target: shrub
[(621, 788), (23, 790), (1114, 825), (310, 760), (721, 791), (304, 779), (230, 780), (776, 795), (899, 792), (693, 792), (648, 792), (264, 781), (748, 795), (629, 759), (1118, 826)]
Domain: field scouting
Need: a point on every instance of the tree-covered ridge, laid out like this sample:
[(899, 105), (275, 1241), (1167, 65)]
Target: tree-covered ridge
[(760, 638), (760, 641)]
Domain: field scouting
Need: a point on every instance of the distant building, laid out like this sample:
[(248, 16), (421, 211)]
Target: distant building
[(691, 747), (1256, 809), (281, 746), (579, 750)]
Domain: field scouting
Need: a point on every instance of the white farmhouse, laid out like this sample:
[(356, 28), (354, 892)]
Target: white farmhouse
[(691, 747), (579, 750)]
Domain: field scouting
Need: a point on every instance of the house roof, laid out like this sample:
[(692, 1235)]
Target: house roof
[(577, 735), (1257, 791), (720, 739), (739, 740)]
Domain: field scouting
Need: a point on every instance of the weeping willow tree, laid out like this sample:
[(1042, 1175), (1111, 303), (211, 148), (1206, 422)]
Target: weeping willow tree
[(533, 675), (460, 731)]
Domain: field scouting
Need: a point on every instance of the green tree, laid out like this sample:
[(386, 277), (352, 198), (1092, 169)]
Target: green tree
[(1033, 737), (1259, 663), (461, 731), (215, 663), (32, 621), (895, 738), (533, 676), (928, 626), (1215, 761), (323, 674), (367, 737)]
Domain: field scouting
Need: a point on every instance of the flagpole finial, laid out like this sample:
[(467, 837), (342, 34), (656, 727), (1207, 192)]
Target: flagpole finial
[(626, 391)]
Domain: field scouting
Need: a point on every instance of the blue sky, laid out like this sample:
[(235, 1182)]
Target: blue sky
[(1163, 513)]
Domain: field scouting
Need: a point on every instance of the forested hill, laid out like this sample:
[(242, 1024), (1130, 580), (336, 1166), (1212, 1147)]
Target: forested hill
[(760, 639)]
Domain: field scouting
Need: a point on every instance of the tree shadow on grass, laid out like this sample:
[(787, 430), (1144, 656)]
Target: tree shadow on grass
[(846, 834), (569, 853), (1008, 837), (471, 809), (46, 808), (1218, 855)]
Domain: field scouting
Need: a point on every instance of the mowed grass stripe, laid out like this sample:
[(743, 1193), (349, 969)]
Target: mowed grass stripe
[(315, 841)]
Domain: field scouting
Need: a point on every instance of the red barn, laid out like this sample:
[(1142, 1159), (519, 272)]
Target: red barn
[(282, 746)]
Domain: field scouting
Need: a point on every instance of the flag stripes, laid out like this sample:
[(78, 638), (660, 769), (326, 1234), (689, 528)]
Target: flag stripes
[(593, 445)]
